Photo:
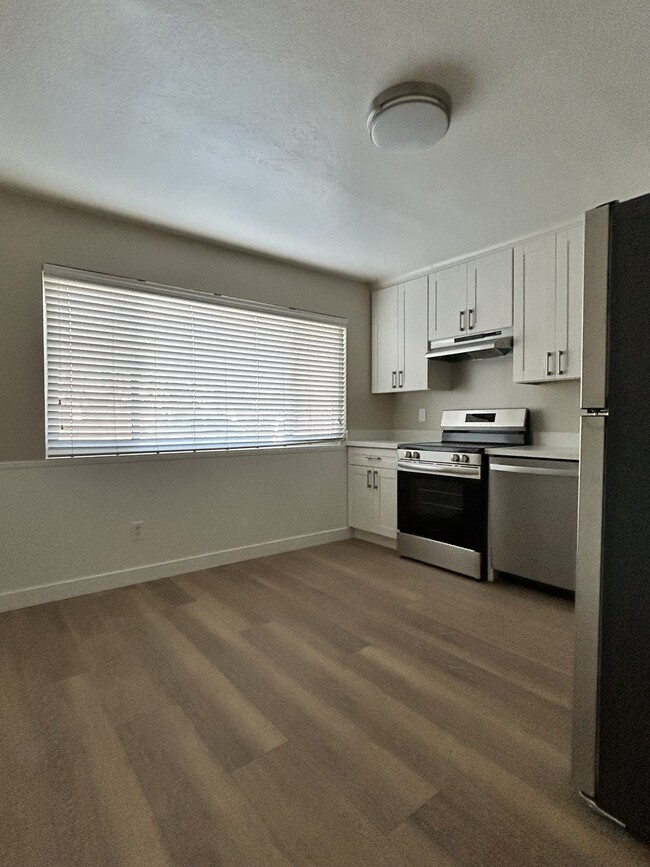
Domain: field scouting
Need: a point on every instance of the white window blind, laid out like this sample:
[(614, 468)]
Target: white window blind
[(138, 368)]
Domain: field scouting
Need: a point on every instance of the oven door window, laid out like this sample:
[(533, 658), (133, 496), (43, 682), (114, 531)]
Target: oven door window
[(444, 508)]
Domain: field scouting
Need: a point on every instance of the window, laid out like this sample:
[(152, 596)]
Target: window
[(132, 367)]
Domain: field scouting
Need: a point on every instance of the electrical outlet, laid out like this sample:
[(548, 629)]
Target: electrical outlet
[(422, 415), (137, 531)]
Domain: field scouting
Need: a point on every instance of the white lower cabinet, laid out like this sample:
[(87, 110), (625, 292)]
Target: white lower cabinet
[(362, 500), (372, 491), (386, 496)]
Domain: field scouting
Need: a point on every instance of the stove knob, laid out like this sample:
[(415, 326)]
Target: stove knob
[(416, 455), (408, 455), (464, 459), (455, 458)]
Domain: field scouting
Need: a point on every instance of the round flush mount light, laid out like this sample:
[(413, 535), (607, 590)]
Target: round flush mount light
[(409, 116)]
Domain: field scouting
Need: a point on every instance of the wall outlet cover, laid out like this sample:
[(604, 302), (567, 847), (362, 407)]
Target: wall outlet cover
[(422, 415)]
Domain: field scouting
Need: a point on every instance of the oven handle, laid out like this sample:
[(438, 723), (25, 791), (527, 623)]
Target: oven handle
[(471, 472)]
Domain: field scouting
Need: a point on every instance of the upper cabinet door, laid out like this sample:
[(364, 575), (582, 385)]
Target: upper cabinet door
[(534, 356), (489, 291), (448, 302), (413, 335), (568, 299), (385, 311)]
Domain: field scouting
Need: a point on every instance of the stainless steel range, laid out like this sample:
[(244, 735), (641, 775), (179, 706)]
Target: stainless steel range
[(442, 488)]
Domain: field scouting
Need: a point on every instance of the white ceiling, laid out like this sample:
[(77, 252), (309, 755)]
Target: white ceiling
[(245, 121)]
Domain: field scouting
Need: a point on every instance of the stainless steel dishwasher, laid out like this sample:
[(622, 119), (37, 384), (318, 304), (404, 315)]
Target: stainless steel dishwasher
[(533, 513)]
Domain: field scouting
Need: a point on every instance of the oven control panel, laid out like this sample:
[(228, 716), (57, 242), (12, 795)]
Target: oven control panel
[(424, 456)]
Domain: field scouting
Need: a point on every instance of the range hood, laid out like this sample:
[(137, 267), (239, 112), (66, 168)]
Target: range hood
[(486, 344)]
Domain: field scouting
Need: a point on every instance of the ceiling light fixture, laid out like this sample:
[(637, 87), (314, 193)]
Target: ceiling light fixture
[(409, 116)]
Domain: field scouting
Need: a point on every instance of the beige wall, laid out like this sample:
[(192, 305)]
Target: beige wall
[(66, 526), (488, 382), (34, 231)]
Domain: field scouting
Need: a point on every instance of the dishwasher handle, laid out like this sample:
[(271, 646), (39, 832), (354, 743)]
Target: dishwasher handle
[(568, 472)]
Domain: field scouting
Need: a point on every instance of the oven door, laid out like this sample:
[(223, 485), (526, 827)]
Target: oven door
[(446, 507)]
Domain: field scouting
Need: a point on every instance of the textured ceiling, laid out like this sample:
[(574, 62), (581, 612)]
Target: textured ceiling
[(245, 121)]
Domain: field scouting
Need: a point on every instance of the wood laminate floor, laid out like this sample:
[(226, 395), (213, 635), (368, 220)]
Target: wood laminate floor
[(334, 706)]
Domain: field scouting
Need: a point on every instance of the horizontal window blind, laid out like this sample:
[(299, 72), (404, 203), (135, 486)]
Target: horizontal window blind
[(135, 370)]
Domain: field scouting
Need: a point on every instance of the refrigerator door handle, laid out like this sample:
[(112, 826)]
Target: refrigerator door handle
[(593, 386), (588, 585)]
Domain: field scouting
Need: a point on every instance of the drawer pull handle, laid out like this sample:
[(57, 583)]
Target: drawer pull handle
[(533, 471)]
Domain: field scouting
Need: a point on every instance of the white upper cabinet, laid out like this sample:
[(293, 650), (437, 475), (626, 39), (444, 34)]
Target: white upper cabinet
[(413, 335), (547, 307), (489, 291), (448, 302), (534, 305), (399, 337), (385, 304), (570, 250), (535, 288), (471, 296)]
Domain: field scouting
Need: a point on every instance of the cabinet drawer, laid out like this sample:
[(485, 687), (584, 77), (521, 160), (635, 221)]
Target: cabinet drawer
[(367, 457)]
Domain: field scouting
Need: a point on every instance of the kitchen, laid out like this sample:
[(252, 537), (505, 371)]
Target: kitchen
[(323, 523), (516, 309), (490, 499)]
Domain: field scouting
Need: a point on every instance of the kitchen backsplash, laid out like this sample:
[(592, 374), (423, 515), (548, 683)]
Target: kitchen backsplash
[(483, 383)]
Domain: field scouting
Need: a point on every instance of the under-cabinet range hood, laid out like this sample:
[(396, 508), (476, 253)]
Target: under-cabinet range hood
[(486, 344)]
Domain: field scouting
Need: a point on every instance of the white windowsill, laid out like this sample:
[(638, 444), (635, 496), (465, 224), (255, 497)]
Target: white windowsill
[(175, 456)]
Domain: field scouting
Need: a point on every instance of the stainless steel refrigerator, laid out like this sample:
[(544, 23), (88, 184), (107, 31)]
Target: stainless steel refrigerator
[(611, 734)]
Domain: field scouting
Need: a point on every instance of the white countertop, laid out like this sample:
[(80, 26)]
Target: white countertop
[(541, 452), (546, 446), (374, 444)]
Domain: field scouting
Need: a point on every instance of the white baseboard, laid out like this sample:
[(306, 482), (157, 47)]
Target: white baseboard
[(375, 539), (27, 596)]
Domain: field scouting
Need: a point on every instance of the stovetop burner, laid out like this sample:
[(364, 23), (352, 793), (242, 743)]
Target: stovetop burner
[(473, 431)]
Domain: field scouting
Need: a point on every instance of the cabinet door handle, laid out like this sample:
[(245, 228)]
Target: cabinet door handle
[(461, 320), (394, 379), (368, 478), (375, 479), (401, 379), (549, 356), (534, 471), (560, 353), (471, 318)]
